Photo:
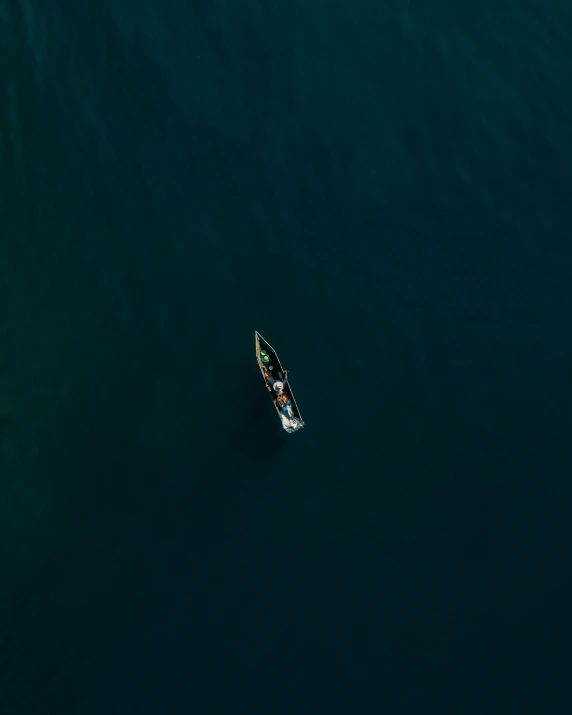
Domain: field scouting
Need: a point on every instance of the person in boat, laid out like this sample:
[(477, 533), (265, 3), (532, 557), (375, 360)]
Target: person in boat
[(282, 399), (276, 386)]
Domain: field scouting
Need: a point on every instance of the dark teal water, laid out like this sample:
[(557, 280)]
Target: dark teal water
[(383, 190)]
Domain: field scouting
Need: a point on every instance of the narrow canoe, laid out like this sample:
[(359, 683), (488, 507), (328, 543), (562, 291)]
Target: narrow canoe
[(271, 367)]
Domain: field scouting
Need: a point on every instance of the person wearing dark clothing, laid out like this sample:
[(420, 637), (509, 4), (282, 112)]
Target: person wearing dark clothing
[(276, 386)]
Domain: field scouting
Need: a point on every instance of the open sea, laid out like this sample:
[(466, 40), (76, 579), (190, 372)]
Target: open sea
[(382, 188)]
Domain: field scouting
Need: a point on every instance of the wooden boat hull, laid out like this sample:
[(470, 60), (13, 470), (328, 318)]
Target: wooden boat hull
[(285, 405)]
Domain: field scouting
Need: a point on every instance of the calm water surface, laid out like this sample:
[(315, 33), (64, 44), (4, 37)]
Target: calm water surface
[(383, 190)]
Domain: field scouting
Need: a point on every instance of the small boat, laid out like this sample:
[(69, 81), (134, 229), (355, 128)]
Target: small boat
[(272, 370)]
